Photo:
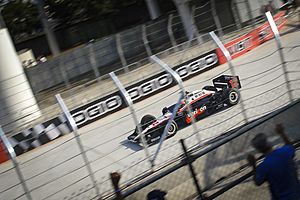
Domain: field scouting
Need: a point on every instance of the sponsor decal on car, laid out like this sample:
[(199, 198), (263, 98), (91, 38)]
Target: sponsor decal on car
[(196, 113)]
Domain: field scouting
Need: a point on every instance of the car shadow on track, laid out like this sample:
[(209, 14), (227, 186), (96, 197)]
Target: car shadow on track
[(131, 145)]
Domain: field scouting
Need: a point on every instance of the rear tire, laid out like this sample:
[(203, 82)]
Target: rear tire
[(233, 97)]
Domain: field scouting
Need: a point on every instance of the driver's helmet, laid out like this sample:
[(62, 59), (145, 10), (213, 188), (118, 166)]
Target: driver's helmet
[(165, 110)]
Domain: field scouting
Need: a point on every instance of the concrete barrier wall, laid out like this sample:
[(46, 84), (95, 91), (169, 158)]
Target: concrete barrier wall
[(70, 65)]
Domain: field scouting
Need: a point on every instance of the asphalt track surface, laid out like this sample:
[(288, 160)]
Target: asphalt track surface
[(57, 171)]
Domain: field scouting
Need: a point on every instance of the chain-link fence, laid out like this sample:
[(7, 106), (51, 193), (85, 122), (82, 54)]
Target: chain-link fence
[(77, 165), (220, 166), (85, 67)]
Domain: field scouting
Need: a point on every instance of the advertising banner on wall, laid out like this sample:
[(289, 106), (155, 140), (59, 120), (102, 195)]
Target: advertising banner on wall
[(249, 41), (264, 31), (239, 46), (143, 89)]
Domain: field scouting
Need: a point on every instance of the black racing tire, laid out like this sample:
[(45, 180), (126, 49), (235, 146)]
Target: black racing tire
[(233, 97), (147, 120), (172, 129)]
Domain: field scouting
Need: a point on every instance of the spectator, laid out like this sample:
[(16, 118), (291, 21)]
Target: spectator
[(115, 178), (278, 167)]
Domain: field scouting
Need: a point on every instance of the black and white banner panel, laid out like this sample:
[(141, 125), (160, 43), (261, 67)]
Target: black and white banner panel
[(143, 89)]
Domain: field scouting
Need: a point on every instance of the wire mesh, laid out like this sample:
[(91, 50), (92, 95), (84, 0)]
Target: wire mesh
[(118, 150), (223, 165), (266, 78), (56, 172), (79, 67), (12, 187), (107, 148)]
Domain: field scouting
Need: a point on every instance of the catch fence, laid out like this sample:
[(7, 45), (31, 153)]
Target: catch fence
[(86, 67), (77, 165)]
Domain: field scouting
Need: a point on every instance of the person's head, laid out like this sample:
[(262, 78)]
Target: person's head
[(260, 143), (165, 110), (156, 195)]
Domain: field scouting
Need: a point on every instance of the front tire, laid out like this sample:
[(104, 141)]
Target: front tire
[(146, 121), (172, 129)]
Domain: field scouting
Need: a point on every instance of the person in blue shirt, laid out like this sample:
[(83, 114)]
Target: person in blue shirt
[(278, 167)]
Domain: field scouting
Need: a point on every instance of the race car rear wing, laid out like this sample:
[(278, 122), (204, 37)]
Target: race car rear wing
[(227, 81)]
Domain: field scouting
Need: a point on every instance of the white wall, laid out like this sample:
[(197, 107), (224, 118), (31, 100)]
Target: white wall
[(17, 102)]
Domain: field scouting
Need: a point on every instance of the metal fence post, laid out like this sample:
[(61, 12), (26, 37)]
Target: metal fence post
[(231, 67), (12, 155), (177, 78), (129, 103), (193, 174), (196, 31), (250, 13), (216, 17), (74, 127), (63, 71), (170, 32), (48, 30), (236, 15), (186, 17), (279, 46), (92, 59), (145, 40), (121, 52)]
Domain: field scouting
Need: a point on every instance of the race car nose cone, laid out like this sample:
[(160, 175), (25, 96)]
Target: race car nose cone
[(131, 137)]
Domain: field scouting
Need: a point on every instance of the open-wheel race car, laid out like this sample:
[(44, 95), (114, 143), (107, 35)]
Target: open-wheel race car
[(223, 93)]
